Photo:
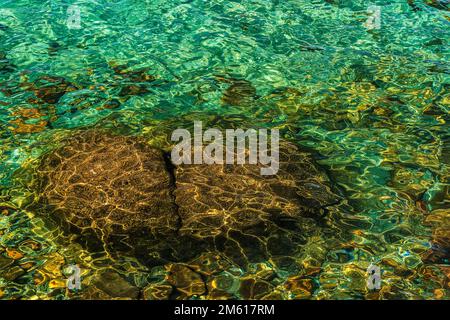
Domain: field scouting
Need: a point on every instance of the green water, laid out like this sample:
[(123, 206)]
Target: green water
[(373, 106)]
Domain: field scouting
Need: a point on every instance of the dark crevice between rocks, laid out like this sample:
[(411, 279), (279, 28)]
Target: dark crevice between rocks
[(172, 183)]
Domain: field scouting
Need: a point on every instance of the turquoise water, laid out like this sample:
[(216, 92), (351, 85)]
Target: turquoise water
[(373, 106)]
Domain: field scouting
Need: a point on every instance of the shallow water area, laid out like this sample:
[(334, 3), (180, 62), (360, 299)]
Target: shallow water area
[(370, 104)]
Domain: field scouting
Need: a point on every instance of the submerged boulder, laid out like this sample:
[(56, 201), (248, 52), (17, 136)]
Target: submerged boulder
[(113, 187), (126, 194), (214, 199)]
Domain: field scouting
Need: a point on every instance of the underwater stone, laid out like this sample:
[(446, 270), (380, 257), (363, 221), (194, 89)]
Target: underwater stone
[(5, 262), (254, 288), (214, 199), (185, 280), (50, 89), (6, 210), (115, 188), (139, 75), (299, 288), (136, 80), (225, 283), (132, 90), (119, 191), (158, 291), (114, 285), (14, 254), (12, 273)]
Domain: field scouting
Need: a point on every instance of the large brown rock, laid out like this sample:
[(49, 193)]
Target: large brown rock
[(121, 192), (214, 199), (114, 187)]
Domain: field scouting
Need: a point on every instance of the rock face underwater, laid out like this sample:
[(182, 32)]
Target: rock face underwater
[(120, 193), (109, 186)]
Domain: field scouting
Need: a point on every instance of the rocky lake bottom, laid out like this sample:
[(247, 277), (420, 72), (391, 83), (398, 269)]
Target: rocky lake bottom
[(86, 176)]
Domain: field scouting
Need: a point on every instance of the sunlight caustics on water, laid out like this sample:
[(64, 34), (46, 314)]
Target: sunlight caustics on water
[(369, 103)]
